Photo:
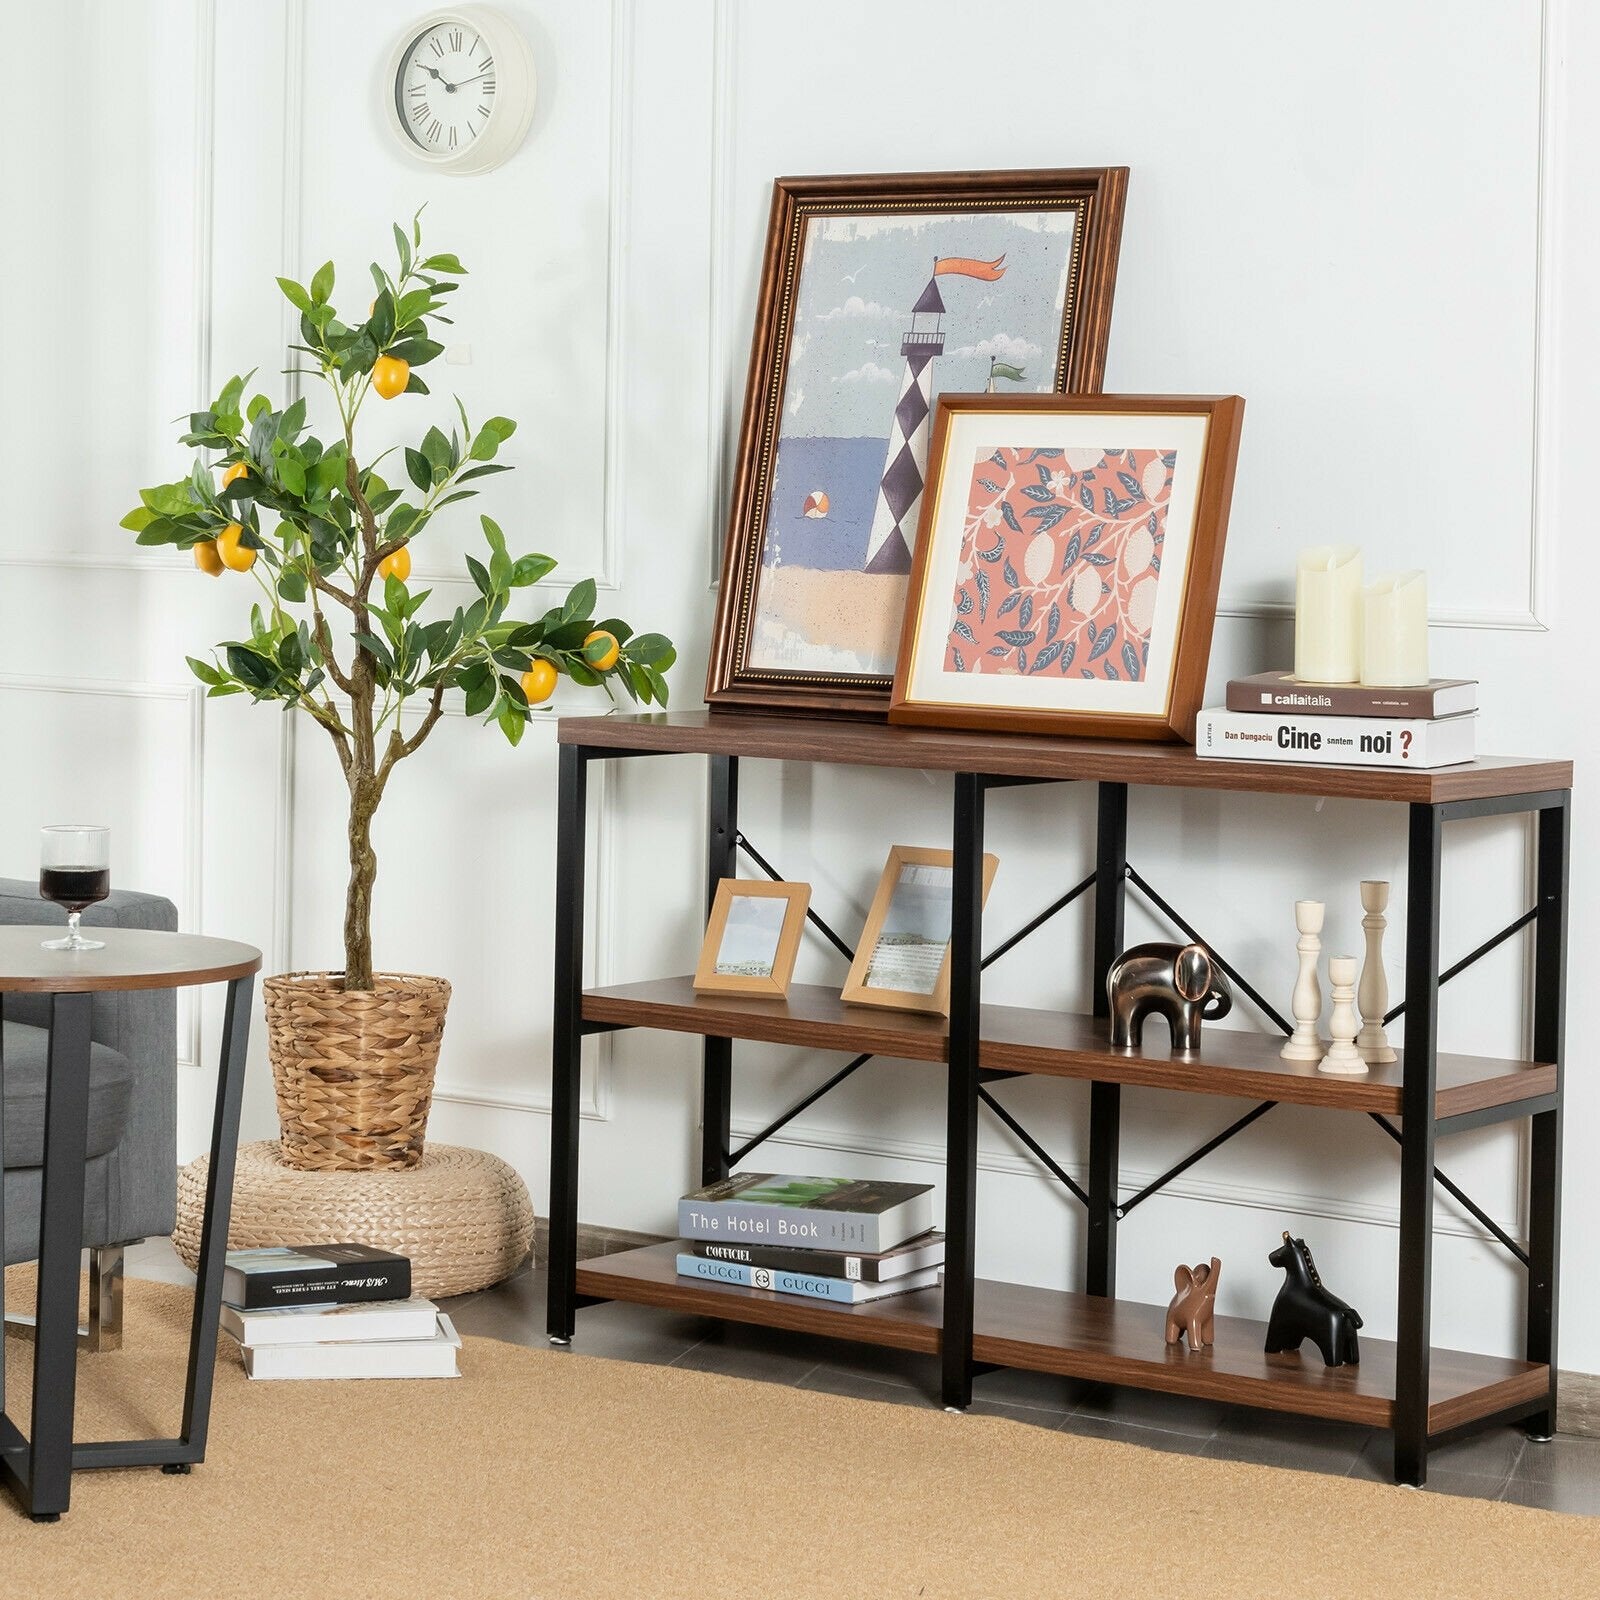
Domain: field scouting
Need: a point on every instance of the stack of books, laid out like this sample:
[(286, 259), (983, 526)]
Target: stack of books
[(842, 1239), (1275, 716), (333, 1311)]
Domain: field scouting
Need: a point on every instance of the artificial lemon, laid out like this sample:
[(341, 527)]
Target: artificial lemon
[(207, 559), (397, 565), (235, 555), (390, 375), (239, 469), (606, 662), (539, 682)]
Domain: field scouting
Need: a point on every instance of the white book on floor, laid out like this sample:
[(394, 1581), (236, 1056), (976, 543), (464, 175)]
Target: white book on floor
[(368, 1320), (383, 1358)]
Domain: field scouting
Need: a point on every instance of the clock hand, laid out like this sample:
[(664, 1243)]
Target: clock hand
[(437, 75)]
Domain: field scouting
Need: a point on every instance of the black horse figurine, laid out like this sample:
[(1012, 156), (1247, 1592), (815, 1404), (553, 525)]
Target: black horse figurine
[(1305, 1310)]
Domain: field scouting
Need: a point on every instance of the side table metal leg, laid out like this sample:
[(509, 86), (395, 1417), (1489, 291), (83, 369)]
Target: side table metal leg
[(1105, 1099), (219, 1206), (716, 1102), (566, 1054), (55, 1350)]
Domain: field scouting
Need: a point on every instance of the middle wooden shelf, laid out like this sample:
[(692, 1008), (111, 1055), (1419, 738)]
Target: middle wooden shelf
[(1062, 1044)]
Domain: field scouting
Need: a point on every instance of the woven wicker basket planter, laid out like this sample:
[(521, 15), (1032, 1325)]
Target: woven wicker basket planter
[(462, 1216), (354, 1072)]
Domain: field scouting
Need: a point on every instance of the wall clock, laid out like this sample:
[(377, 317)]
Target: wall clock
[(459, 89)]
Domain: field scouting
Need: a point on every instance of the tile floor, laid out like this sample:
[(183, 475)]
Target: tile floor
[(1563, 1475)]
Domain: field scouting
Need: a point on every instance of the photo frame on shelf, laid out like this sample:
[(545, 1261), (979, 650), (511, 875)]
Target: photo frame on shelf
[(752, 938), (1067, 565), (877, 293), (903, 956)]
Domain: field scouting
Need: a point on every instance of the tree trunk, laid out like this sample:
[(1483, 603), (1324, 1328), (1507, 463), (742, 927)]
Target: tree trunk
[(364, 797)]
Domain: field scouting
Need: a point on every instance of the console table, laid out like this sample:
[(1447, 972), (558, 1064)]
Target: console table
[(1422, 1394), (38, 1466)]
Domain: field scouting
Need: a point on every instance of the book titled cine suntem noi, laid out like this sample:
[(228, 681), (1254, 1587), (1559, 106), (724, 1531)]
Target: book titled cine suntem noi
[(814, 1213)]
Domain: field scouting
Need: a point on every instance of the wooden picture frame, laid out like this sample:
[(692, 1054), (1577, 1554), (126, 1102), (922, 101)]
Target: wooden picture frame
[(1015, 620), (846, 357), (770, 938), (859, 990)]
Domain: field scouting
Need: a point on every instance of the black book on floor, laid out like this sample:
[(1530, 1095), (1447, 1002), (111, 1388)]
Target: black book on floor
[(313, 1274)]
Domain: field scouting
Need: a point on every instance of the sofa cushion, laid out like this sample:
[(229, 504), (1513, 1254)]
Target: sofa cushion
[(24, 1051)]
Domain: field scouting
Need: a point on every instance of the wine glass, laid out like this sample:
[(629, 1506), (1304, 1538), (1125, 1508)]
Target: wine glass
[(74, 872)]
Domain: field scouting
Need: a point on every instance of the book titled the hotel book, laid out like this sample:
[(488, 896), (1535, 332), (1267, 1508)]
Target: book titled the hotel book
[(1283, 692), (843, 1214), (326, 1274)]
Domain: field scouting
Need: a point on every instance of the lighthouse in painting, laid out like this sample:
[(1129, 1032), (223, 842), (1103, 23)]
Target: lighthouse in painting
[(894, 522)]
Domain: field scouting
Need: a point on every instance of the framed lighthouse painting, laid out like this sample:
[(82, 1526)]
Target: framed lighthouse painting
[(878, 294)]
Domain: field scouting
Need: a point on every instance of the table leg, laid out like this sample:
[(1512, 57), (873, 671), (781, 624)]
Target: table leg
[(1105, 1099), (55, 1350), (218, 1206), (722, 861)]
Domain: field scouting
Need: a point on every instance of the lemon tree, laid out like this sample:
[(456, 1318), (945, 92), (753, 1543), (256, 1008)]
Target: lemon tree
[(325, 537)]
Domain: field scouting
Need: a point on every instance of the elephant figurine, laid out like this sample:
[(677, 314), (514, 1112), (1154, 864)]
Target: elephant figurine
[(1193, 1310), (1182, 982)]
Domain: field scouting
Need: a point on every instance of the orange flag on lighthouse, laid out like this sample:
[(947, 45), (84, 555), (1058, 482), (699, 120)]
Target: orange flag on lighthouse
[(966, 267)]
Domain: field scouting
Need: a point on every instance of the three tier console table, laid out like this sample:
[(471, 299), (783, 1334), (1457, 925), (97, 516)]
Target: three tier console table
[(1422, 1394)]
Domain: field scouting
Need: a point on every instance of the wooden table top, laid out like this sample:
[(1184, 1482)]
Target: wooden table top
[(133, 958), (876, 744)]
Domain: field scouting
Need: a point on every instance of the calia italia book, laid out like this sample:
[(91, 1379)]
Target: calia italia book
[(313, 1274), (912, 1256), (813, 1285), (847, 1214), (1336, 741), (1273, 692)]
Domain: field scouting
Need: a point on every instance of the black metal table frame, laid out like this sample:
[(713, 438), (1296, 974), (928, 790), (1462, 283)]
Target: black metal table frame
[(38, 1466), (1417, 1137)]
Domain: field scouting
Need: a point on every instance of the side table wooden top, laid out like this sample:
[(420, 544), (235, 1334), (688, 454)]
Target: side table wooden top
[(133, 958)]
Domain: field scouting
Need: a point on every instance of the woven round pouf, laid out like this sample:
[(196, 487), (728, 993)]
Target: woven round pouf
[(462, 1216)]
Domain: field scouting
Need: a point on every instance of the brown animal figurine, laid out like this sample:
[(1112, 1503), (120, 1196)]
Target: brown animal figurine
[(1194, 1307)]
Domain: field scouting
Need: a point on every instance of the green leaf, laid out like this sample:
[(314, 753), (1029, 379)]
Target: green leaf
[(657, 683), (595, 650), (483, 471), (443, 262), (579, 673), (649, 648), (417, 350), (617, 628), (418, 469), (412, 306), (294, 294), (480, 696), (513, 721), (479, 575), (292, 420), (259, 404), (292, 475), (322, 283), (530, 569), (403, 246), (292, 585), (376, 648), (204, 671), (138, 519), (491, 532), (394, 594), (436, 448), (580, 601)]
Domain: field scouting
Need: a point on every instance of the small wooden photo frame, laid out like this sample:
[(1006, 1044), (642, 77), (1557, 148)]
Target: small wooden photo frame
[(903, 958), (752, 938)]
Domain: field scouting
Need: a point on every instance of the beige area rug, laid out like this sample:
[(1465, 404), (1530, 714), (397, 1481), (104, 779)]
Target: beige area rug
[(556, 1476)]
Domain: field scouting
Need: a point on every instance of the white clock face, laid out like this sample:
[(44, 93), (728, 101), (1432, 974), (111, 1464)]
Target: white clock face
[(444, 90)]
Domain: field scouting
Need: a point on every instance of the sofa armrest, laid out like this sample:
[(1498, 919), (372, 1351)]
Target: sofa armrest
[(142, 1024)]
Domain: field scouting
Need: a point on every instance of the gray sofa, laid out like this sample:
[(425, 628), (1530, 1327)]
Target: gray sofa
[(131, 1177)]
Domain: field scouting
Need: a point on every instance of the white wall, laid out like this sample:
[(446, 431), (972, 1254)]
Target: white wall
[(1369, 229)]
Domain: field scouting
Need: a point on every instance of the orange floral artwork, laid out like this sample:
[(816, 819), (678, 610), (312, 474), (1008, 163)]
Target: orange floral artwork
[(1060, 562)]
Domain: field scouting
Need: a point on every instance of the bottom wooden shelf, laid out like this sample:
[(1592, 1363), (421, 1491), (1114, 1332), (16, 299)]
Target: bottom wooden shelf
[(1106, 1341)]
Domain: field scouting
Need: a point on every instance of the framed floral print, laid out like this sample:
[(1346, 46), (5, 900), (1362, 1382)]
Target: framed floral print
[(877, 294), (1067, 564)]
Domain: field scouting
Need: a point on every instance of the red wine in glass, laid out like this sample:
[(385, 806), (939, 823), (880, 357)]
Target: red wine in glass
[(74, 888), (74, 872)]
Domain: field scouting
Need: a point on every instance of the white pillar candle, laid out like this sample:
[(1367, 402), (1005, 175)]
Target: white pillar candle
[(1327, 614), (1394, 644)]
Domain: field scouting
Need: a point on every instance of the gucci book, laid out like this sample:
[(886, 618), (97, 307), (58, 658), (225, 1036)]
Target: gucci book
[(812, 1285)]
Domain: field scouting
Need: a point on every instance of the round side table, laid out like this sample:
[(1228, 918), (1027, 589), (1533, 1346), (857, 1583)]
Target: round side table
[(39, 1466)]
